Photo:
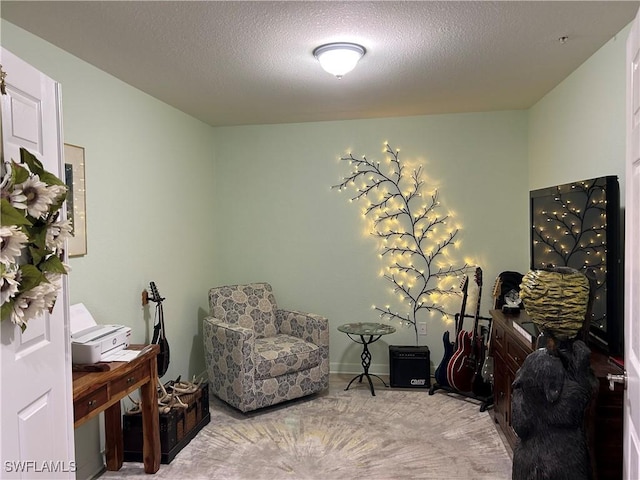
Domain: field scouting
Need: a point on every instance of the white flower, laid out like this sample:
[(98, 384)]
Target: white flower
[(57, 191), (8, 286), (16, 197), (33, 301), (12, 240), (39, 197), (57, 233), (6, 180), (17, 314), (49, 294), (52, 287)]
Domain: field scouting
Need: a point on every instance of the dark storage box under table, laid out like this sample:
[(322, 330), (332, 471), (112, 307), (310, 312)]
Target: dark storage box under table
[(177, 427)]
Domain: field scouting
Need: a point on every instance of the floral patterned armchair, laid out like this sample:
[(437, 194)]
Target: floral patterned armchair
[(258, 355)]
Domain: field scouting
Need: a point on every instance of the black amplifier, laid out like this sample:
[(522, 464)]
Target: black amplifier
[(409, 367)]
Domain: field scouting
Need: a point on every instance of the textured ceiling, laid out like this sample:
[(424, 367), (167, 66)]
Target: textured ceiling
[(234, 63)]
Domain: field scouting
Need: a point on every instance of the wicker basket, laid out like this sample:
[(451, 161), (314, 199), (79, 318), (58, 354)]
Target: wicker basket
[(556, 300)]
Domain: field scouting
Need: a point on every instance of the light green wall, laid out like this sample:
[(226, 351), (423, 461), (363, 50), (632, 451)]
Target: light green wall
[(577, 131), (281, 222), (149, 170), (148, 174)]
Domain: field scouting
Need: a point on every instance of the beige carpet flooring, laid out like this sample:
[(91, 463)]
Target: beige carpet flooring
[(398, 434)]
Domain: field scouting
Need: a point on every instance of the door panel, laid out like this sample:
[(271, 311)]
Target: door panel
[(36, 408)]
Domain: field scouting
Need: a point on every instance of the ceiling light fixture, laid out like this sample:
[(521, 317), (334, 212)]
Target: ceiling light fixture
[(339, 58)]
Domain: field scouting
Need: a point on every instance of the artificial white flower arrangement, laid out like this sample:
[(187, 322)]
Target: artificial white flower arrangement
[(32, 239)]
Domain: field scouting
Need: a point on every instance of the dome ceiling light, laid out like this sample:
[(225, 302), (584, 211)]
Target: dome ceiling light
[(339, 58)]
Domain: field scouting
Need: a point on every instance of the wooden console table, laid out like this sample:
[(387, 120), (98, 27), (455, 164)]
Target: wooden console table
[(513, 338), (96, 392)]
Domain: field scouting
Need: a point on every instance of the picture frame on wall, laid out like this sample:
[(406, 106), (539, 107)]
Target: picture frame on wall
[(76, 202)]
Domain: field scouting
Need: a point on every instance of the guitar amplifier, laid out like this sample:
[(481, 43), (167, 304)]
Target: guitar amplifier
[(409, 367)]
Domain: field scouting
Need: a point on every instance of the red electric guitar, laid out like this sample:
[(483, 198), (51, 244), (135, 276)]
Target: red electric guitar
[(440, 374), (463, 365)]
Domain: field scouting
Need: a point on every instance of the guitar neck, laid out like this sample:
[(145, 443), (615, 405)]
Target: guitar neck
[(463, 306), (476, 319), (478, 276)]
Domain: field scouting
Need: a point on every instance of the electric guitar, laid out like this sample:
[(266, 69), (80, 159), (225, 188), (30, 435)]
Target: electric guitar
[(464, 362), (479, 385), (440, 374), (159, 334), (487, 367)]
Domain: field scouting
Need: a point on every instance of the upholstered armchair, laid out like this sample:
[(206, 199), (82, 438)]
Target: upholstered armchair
[(257, 354)]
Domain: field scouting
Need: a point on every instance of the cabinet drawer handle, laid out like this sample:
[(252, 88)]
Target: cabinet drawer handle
[(131, 380), (91, 403)]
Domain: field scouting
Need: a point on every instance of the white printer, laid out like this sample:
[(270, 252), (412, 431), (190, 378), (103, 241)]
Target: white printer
[(92, 343)]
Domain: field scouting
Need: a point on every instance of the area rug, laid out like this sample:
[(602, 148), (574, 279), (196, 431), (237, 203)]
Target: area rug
[(397, 434)]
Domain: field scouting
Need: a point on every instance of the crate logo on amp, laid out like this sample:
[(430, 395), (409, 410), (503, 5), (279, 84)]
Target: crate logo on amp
[(418, 381)]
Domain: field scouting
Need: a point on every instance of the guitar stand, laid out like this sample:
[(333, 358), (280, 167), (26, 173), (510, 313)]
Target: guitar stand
[(485, 402)]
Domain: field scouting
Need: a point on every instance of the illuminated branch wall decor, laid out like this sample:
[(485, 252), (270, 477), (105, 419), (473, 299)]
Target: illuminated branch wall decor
[(415, 238)]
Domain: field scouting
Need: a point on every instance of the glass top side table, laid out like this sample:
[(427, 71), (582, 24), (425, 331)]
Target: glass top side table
[(368, 333)]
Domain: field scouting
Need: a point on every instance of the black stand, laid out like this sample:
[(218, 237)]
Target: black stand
[(485, 402), (366, 361)]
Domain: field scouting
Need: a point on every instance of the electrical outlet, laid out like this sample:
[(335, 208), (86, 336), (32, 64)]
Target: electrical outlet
[(422, 328)]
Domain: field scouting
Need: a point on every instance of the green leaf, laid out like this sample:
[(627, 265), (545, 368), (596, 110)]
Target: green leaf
[(6, 310), (11, 215), (50, 179), (34, 164), (31, 277), (53, 265), (38, 231), (37, 253), (19, 174)]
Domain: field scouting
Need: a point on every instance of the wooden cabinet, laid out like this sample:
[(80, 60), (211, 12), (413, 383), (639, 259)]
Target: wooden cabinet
[(509, 347), (513, 338)]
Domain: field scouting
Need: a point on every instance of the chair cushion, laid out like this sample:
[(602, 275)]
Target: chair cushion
[(251, 306), (284, 354)]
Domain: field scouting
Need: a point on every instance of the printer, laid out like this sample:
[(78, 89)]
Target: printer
[(92, 343)]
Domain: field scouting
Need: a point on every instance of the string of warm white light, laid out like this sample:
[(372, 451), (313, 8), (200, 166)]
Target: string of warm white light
[(415, 238), (572, 233)]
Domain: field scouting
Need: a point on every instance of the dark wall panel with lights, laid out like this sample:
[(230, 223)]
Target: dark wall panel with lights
[(578, 225)]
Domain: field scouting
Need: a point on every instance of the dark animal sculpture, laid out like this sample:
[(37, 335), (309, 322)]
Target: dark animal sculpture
[(551, 393)]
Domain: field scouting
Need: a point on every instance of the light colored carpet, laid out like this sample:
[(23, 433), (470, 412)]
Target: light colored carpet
[(398, 434)]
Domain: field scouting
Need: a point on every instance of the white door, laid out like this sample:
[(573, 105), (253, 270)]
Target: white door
[(632, 260), (36, 407)]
